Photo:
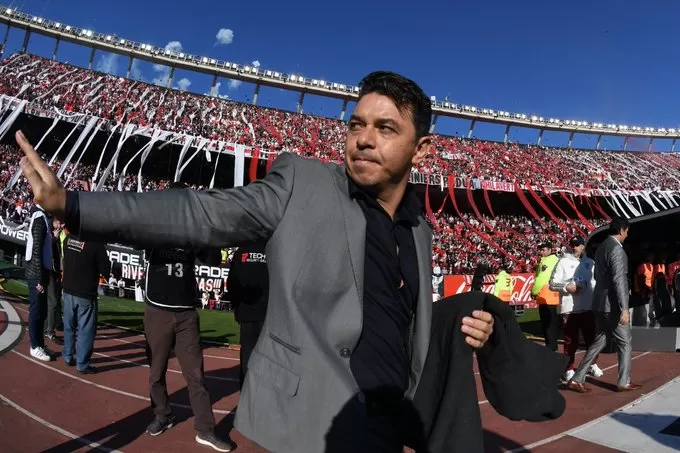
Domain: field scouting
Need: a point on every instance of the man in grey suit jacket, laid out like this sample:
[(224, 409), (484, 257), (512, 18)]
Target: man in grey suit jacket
[(610, 306), (348, 321)]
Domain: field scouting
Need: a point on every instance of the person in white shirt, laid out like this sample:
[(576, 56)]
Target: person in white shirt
[(121, 288), (573, 277)]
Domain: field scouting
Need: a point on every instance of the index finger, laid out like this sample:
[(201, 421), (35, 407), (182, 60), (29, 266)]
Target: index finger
[(35, 160), (482, 315)]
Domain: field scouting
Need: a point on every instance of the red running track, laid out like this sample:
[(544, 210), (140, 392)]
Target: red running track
[(49, 407)]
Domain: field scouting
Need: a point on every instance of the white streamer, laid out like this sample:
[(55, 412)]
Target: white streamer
[(56, 153), (239, 164), (54, 124), (613, 207), (220, 146), (87, 146), (127, 132), (157, 135), (7, 124), (88, 128), (101, 155), (187, 144), (201, 143)]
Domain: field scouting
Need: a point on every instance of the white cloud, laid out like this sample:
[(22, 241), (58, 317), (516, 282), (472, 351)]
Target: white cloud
[(256, 63), (164, 71), (184, 83), (234, 84), (107, 63), (174, 46), (225, 36), (216, 92)]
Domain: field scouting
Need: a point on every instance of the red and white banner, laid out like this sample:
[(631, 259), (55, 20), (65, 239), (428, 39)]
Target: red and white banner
[(521, 287)]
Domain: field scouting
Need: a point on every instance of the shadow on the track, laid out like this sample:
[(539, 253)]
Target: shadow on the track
[(125, 431), (495, 443), (603, 385)]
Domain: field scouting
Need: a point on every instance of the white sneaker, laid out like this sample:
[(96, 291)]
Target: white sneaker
[(40, 354), (568, 376), (595, 370)]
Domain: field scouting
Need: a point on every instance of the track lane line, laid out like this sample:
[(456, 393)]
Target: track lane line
[(86, 442), (107, 388)]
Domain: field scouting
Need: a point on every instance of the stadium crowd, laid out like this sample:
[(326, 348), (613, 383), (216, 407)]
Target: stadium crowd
[(457, 248), (49, 83)]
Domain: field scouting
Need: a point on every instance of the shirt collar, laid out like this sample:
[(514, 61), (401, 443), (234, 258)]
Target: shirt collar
[(408, 211)]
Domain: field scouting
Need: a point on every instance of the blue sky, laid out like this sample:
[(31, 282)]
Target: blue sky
[(600, 61)]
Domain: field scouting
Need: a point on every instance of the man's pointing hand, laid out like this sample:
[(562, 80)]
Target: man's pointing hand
[(47, 190)]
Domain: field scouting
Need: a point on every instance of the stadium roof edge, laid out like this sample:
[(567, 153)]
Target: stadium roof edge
[(111, 43), (599, 234)]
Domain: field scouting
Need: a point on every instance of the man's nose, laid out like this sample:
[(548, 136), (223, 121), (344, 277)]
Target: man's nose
[(366, 139)]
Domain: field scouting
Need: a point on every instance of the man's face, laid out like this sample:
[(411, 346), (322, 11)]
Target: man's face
[(545, 251), (624, 234), (578, 250), (381, 144)]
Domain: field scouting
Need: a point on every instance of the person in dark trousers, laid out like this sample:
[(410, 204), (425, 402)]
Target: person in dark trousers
[(39, 263), (54, 287), (171, 320), (248, 289), (548, 301), (84, 263), (611, 309)]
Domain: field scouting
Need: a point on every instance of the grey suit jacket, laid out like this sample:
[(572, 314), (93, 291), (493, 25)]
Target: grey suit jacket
[(299, 377), (611, 277)]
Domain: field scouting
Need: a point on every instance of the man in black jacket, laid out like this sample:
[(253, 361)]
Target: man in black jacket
[(248, 288), (84, 262), (171, 321), (39, 262)]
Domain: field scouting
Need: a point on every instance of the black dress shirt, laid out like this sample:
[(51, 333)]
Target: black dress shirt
[(380, 361)]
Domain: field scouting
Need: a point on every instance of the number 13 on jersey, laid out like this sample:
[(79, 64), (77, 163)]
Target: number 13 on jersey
[(176, 269)]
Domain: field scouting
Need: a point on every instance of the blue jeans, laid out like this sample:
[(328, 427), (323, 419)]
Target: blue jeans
[(79, 313), (37, 312)]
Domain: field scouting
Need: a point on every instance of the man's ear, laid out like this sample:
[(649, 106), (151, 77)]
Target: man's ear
[(423, 147)]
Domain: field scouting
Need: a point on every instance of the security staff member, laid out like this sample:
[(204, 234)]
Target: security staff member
[(547, 300), (503, 287), (171, 320), (248, 290)]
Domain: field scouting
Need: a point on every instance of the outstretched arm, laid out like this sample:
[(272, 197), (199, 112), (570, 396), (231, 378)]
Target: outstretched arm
[(179, 218)]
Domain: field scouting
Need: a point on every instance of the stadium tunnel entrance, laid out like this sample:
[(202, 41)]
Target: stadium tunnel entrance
[(657, 233)]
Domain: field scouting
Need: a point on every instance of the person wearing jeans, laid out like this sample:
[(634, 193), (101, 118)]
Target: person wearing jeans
[(80, 314), (39, 261), (84, 262)]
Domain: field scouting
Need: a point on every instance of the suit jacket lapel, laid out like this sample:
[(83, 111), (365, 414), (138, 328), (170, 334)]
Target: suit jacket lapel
[(423, 318), (355, 228)]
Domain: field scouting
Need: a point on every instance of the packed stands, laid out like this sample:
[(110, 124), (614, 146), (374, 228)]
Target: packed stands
[(51, 83), (457, 249)]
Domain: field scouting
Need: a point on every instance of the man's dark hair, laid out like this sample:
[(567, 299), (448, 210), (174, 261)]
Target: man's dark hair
[(406, 95), (617, 225)]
